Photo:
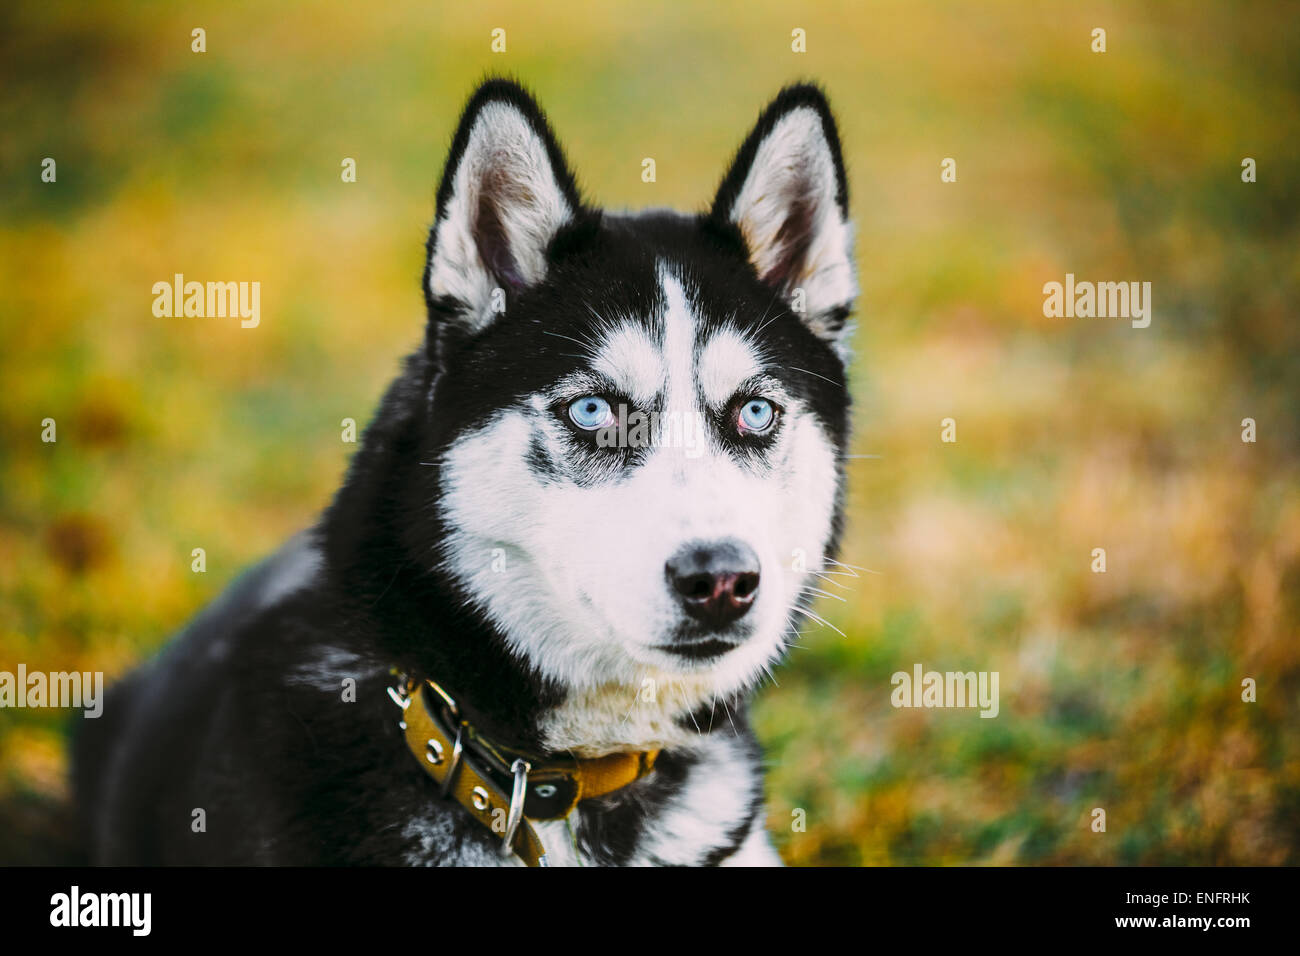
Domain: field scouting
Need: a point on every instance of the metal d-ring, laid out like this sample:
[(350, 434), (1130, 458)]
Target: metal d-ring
[(399, 696), (520, 769), (452, 767)]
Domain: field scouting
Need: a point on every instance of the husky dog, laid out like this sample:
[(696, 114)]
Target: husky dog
[(523, 527)]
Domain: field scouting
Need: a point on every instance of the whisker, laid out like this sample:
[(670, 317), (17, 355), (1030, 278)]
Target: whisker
[(686, 702), (727, 711), (825, 573), (691, 714), (853, 566), (759, 330), (834, 584), (585, 345), (819, 620), (813, 590), (815, 375), (636, 699), (628, 715), (770, 302)]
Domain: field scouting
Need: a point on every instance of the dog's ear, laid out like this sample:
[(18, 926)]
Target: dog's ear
[(505, 192), (786, 194)]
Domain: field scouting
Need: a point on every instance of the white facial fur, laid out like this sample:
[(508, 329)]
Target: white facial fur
[(574, 575)]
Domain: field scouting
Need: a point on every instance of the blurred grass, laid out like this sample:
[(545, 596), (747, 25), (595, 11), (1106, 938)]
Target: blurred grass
[(1118, 690)]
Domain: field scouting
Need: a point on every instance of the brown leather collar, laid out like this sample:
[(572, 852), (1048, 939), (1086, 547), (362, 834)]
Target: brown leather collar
[(501, 787)]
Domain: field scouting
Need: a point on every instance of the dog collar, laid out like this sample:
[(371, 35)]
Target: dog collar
[(503, 788)]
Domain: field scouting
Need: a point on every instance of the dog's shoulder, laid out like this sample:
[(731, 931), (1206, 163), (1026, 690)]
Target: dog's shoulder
[(193, 726)]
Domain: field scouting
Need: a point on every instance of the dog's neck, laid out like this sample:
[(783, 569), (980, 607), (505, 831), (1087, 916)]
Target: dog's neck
[(664, 712), (422, 628), (508, 699)]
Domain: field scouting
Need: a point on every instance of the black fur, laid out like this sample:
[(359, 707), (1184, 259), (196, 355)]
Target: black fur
[(224, 721)]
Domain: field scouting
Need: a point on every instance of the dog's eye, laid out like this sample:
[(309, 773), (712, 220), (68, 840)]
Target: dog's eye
[(591, 412), (756, 416)]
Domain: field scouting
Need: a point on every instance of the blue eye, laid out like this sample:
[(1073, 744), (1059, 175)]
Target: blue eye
[(757, 415), (591, 412)]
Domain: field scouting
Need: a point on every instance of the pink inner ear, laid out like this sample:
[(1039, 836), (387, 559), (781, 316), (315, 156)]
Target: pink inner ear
[(793, 239), (490, 233)]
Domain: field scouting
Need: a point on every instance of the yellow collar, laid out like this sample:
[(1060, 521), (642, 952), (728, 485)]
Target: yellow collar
[(504, 788)]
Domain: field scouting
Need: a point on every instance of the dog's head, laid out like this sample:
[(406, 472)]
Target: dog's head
[(639, 422)]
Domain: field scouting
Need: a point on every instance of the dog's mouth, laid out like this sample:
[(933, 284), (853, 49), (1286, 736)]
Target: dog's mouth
[(699, 650)]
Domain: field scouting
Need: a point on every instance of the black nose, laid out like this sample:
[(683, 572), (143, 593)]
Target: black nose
[(716, 581)]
